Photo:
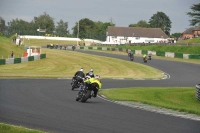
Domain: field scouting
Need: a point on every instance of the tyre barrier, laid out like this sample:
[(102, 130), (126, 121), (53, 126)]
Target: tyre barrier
[(198, 92), (22, 59)]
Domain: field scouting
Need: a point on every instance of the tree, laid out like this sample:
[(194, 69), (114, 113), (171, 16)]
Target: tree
[(44, 22), (161, 20), (175, 35), (83, 27), (61, 28), (141, 23), (2, 25), (101, 29), (195, 14), (133, 25), (90, 29), (18, 26)]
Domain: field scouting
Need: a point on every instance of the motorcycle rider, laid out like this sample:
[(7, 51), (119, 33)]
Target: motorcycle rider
[(129, 51), (79, 75), (144, 56), (73, 47), (149, 56), (90, 83), (90, 73), (131, 55)]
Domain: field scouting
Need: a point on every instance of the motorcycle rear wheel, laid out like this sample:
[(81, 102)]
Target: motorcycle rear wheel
[(77, 98), (86, 96)]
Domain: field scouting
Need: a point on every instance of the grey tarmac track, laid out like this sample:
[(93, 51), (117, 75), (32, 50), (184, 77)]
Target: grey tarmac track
[(49, 104)]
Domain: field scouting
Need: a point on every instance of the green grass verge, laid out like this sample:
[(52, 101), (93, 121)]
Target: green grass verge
[(4, 128), (193, 40), (7, 46), (176, 98), (63, 64), (44, 42), (60, 63)]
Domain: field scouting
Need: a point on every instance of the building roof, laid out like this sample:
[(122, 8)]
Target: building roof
[(136, 32), (197, 28), (189, 31)]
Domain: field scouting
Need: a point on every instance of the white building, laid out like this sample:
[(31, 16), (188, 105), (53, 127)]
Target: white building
[(123, 35)]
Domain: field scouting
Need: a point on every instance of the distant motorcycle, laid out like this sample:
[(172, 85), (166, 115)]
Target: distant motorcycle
[(75, 83), (149, 57), (145, 59), (131, 55), (131, 58), (73, 48)]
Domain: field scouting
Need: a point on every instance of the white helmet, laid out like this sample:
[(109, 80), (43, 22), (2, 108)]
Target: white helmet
[(87, 77), (91, 70), (97, 77), (81, 69)]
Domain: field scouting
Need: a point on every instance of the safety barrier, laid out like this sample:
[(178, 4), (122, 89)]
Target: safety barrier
[(198, 92), (140, 52), (22, 59)]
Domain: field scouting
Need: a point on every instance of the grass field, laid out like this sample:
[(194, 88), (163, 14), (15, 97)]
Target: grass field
[(4, 128), (176, 98), (61, 63), (44, 42)]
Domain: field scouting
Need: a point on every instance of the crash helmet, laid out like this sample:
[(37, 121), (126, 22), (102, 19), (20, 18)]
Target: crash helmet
[(97, 77), (81, 70), (87, 77), (91, 70)]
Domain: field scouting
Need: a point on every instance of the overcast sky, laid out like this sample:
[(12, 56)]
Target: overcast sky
[(122, 12)]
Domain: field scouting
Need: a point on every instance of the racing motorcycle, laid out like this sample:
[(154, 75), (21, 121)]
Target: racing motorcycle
[(145, 59), (73, 48), (149, 57), (75, 83), (131, 58), (85, 92)]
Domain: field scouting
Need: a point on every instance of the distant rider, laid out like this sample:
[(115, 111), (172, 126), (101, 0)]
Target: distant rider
[(131, 55), (90, 73), (149, 56), (129, 51), (73, 47), (79, 75), (144, 56)]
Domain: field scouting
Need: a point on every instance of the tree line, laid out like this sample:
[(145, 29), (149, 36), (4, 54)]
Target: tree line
[(86, 28)]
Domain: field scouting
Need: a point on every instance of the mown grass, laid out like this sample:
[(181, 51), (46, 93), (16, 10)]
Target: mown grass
[(63, 64), (7, 46), (44, 42), (4, 128), (176, 98), (193, 40)]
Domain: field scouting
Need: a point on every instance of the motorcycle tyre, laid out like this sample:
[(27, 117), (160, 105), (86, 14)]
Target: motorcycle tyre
[(86, 96), (74, 85), (78, 97)]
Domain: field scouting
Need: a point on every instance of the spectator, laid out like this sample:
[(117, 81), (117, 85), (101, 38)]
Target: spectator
[(19, 42), (12, 54)]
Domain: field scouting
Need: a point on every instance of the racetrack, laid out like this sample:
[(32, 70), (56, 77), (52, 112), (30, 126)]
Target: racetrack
[(49, 104)]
